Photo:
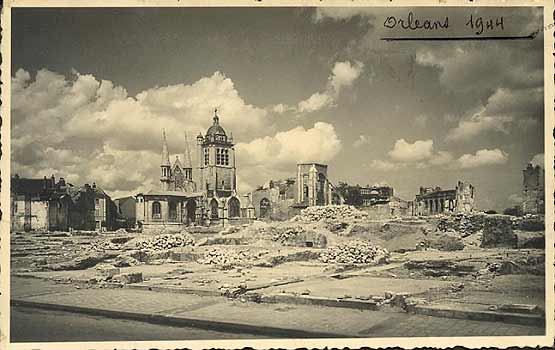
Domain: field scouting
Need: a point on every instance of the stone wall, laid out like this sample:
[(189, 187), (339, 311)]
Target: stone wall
[(498, 232)]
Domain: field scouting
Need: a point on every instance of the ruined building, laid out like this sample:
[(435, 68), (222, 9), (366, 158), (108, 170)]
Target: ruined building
[(47, 205), (431, 201), (533, 190), (283, 199), (313, 186), (183, 200), (372, 195), (39, 204)]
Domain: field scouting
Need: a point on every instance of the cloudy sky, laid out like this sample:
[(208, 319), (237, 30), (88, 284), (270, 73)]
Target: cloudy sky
[(93, 88)]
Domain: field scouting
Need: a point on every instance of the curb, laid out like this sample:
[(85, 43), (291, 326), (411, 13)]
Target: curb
[(161, 319), (321, 301), (492, 316)]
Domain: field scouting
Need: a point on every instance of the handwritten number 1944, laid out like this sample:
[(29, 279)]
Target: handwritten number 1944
[(480, 24)]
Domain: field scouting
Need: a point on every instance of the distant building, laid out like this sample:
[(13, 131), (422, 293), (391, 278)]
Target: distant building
[(39, 204), (533, 190), (283, 199), (92, 209), (372, 195), (126, 208), (275, 200), (168, 209), (431, 201), (47, 205), (208, 198), (313, 186)]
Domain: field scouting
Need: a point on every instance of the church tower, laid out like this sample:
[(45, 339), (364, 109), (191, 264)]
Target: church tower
[(165, 165), (216, 161)]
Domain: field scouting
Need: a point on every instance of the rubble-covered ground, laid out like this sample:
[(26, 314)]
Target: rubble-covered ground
[(331, 251)]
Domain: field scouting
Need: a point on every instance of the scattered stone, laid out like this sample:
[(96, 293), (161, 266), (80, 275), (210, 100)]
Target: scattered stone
[(297, 236), (355, 252), (166, 241), (81, 263), (341, 213), (128, 278), (107, 270)]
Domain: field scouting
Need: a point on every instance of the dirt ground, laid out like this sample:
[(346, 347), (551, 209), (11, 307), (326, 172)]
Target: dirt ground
[(271, 258)]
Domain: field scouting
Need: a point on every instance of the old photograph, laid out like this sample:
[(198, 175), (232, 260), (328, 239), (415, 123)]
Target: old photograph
[(278, 172)]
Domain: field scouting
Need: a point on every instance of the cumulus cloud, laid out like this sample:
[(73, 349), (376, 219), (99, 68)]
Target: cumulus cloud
[(87, 129), (341, 13), (275, 156), (315, 102), (343, 75), (361, 141), (404, 151), (481, 158), (385, 165), (319, 144), (281, 108), (419, 154), (504, 108), (476, 125), (422, 154)]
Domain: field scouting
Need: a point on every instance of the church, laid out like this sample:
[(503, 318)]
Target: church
[(209, 199)]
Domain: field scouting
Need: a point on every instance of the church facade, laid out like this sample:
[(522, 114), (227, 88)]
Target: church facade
[(209, 199)]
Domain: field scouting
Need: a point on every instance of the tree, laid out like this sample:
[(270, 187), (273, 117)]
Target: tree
[(351, 194)]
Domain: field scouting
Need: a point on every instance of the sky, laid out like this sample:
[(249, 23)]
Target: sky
[(92, 90)]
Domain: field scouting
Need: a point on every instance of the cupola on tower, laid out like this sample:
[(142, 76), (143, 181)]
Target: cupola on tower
[(216, 161)]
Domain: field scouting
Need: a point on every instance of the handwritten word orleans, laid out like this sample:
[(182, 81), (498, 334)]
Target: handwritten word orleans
[(413, 24), (479, 24)]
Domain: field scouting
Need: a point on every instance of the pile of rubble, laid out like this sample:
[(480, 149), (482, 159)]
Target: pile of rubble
[(297, 236), (528, 222), (463, 223), (229, 257), (286, 234), (166, 241), (331, 212), (355, 252), (105, 245)]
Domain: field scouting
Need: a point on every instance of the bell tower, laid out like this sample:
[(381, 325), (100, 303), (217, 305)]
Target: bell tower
[(217, 160)]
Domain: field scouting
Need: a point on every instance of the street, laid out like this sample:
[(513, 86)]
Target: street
[(36, 325)]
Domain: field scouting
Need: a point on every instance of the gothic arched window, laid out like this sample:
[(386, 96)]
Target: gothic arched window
[(234, 208)]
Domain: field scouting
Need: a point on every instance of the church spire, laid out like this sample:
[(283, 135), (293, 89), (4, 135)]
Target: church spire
[(165, 153), (187, 156)]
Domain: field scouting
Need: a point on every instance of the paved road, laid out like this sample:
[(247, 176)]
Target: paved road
[(35, 325)]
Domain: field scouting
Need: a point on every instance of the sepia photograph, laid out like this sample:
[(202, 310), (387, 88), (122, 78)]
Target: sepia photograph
[(275, 172)]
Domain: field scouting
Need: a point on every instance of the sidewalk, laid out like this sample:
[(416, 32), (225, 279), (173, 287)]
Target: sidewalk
[(276, 320)]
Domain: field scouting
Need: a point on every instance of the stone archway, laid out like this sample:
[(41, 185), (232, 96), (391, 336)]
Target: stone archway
[(214, 207), (265, 208), (191, 208), (234, 208)]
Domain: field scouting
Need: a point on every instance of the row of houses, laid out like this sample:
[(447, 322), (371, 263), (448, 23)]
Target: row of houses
[(49, 205)]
